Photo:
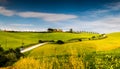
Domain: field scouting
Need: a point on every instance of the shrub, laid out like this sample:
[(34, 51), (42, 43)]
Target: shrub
[(40, 41), (8, 57), (1, 49), (93, 37), (60, 42), (89, 39), (80, 39)]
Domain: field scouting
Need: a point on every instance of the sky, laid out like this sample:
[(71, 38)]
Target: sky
[(101, 16)]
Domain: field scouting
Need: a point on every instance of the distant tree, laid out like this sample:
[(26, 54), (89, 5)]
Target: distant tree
[(80, 39), (60, 42), (93, 37), (50, 30), (40, 41), (89, 39), (71, 30)]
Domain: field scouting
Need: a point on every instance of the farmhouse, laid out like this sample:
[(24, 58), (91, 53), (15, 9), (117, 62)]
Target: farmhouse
[(54, 30)]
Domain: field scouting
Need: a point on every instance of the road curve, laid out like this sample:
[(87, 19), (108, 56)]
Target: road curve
[(32, 47)]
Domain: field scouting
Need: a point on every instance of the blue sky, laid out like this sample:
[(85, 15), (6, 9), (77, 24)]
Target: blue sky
[(101, 16)]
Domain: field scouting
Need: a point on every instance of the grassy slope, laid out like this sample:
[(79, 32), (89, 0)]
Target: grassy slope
[(92, 60), (112, 42), (13, 40), (65, 49)]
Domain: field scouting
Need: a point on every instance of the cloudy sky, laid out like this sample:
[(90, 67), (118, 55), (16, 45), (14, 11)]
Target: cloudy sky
[(101, 16)]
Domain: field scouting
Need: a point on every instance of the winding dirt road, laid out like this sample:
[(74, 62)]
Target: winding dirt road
[(32, 47)]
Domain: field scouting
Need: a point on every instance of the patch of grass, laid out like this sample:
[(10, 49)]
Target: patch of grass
[(52, 49)]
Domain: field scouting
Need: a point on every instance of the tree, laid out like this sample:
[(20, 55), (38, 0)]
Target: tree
[(71, 30), (60, 42), (80, 39), (93, 37), (40, 41), (50, 30)]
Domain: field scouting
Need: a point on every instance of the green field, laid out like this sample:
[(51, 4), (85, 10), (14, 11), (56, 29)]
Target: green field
[(13, 40), (90, 54)]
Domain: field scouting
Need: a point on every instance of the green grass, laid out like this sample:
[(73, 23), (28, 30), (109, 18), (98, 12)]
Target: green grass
[(13, 40)]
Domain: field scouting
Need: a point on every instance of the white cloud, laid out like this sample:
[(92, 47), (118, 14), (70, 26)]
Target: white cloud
[(98, 12), (115, 20), (108, 8), (6, 12), (47, 16), (113, 6), (102, 25)]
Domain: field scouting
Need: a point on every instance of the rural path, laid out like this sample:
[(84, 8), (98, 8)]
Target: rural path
[(32, 47)]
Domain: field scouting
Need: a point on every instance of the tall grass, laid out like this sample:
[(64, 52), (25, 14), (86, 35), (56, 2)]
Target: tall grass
[(92, 60)]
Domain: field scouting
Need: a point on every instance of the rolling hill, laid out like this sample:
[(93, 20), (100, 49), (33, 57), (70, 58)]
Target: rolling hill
[(111, 42), (90, 54), (17, 39)]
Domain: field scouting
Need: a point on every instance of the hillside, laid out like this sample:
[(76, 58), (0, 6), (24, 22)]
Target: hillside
[(109, 43), (91, 54), (17, 39)]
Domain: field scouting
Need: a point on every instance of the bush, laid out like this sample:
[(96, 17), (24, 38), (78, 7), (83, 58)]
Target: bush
[(80, 39), (1, 49), (89, 39), (60, 42), (40, 41), (93, 37), (8, 57)]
